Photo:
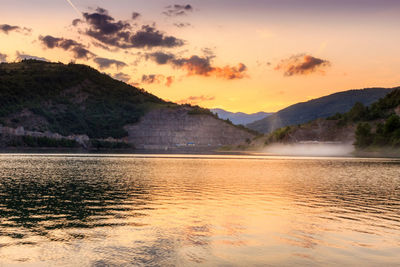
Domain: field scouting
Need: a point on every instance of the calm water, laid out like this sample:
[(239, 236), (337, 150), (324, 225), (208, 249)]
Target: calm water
[(198, 211)]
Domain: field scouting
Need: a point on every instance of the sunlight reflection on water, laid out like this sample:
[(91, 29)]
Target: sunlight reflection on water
[(188, 210)]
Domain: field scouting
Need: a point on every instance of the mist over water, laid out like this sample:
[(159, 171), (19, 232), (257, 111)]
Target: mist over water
[(311, 149)]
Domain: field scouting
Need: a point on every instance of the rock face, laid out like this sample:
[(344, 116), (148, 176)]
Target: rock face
[(322, 131), (176, 128)]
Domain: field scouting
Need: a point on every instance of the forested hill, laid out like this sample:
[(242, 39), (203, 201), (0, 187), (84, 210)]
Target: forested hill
[(378, 125), (69, 99), (45, 104), (318, 108), (367, 127)]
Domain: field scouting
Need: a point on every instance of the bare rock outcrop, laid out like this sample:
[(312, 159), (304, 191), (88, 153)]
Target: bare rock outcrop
[(169, 128), (322, 131)]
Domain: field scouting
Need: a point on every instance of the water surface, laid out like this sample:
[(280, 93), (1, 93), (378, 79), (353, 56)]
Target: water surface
[(86, 210)]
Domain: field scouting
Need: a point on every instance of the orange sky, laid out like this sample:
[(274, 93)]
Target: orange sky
[(291, 51)]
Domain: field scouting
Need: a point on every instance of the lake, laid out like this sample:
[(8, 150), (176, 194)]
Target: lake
[(169, 210)]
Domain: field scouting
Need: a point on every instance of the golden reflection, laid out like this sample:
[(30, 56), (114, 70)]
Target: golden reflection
[(206, 210)]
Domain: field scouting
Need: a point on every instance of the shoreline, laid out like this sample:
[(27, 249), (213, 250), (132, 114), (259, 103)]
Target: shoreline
[(43, 151)]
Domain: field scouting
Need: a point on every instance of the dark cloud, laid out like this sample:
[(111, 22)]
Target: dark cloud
[(3, 58), (161, 58), (122, 77), (149, 37), (10, 28), (302, 64), (196, 65), (157, 79), (152, 78), (135, 15), (182, 24), (177, 10), (76, 22), (195, 100), (21, 56), (78, 49), (105, 29), (104, 63)]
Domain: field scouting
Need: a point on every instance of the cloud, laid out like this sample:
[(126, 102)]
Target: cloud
[(104, 63), (152, 78), (177, 10), (157, 79), (169, 81), (302, 64), (161, 58), (121, 77), (78, 49), (5, 28), (21, 56), (3, 58), (104, 28), (182, 24), (135, 15), (76, 22), (201, 66), (195, 100)]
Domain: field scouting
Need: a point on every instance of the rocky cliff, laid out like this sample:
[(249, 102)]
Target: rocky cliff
[(177, 128), (321, 130)]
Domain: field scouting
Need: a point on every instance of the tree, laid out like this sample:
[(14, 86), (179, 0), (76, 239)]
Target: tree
[(364, 136), (392, 124), (357, 112)]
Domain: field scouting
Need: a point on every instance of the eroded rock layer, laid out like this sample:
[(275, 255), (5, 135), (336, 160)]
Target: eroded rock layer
[(177, 128)]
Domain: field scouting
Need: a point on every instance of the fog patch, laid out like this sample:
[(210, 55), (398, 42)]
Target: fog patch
[(311, 149)]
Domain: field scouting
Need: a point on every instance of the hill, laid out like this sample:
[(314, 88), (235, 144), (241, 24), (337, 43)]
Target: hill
[(374, 128), (318, 108), (240, 118), (40, 101)]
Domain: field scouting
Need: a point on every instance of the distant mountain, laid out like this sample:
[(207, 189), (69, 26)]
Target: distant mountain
[(318, 108), (58, 105), (240, 117)]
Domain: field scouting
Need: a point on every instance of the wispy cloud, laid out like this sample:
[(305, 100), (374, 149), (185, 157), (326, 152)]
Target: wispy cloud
[(22, 56), (121, 77), (157, 79), (135, 15), (177, 10), (104, 63), (6, 28), (78, 49), (195, 100)]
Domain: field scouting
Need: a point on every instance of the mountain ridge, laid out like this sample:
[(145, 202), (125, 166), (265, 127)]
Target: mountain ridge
[(240, 117), (322, 107)]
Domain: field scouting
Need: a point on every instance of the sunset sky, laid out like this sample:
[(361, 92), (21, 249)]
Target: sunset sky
[(249, 56)]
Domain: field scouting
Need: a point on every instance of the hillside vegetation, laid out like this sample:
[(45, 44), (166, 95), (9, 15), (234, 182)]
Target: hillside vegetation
[(378, 125), (69, 99), (318, 108), (373, 127)]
